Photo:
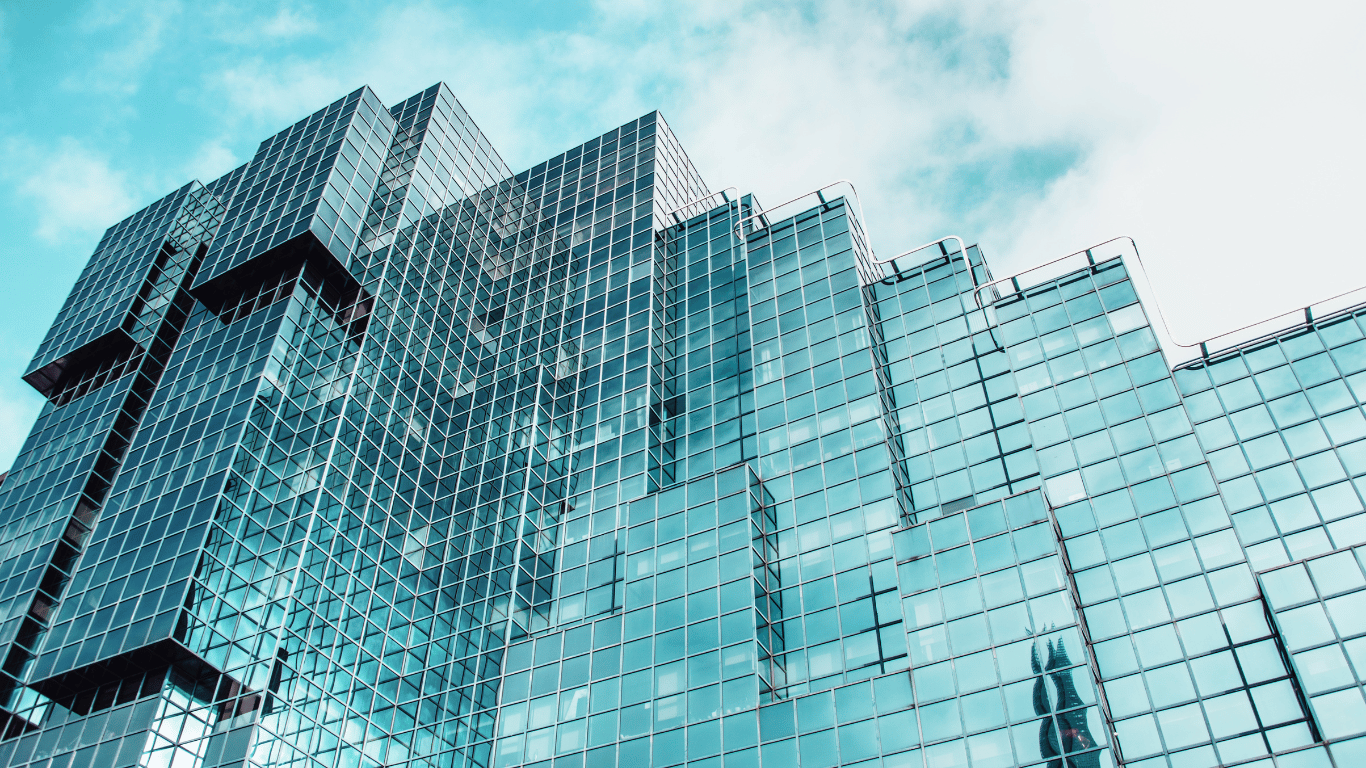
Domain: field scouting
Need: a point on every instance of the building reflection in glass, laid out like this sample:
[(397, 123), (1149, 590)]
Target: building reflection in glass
[(1063, 729)]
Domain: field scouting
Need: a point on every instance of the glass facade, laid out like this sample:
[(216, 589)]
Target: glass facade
[(374, 452)]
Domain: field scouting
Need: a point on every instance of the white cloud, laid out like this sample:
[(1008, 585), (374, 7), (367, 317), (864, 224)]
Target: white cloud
[(75, 189), (137, 32), (212, 160), (289, 23), (241, 24), (278, 92), (1227, 145)]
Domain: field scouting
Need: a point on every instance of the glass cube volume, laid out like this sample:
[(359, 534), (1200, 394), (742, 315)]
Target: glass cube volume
[(373, 452)]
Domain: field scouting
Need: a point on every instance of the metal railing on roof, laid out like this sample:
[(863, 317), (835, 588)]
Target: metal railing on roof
[(1193, 352)]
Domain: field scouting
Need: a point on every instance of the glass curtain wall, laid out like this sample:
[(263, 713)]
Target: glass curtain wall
[(373, 452)]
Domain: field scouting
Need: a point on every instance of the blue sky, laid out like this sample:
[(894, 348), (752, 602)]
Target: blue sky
[(1224, 140)]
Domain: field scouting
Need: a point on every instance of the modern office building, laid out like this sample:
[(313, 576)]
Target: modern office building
[(374, 452)]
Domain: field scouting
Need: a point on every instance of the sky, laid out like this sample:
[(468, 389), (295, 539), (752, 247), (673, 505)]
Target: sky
[(1224, 138)]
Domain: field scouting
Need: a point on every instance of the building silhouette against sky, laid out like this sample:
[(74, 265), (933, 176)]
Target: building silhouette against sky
[(373, 452)]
